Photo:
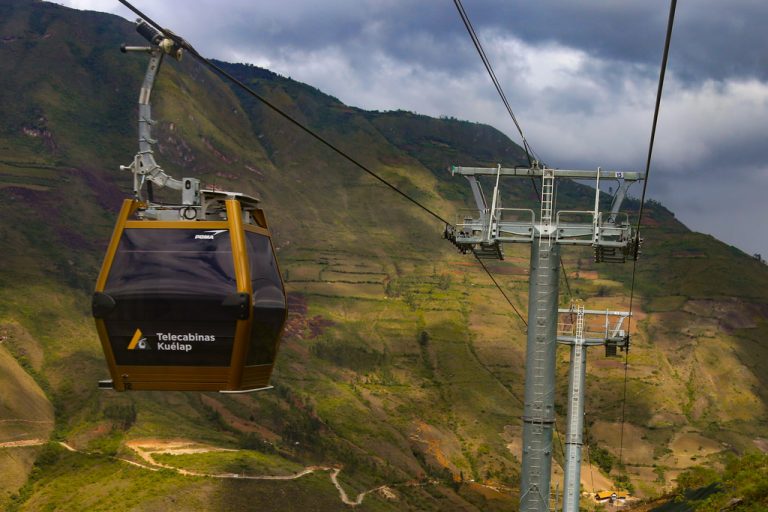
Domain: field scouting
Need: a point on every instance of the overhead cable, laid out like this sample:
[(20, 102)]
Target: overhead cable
[(487, 271), (190, 49), (565, 278), (528, 150), (662, 73), (492, 74)]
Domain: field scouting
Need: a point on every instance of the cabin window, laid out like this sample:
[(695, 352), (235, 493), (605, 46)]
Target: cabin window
[(180, 263), (268, 300), (168, 285)]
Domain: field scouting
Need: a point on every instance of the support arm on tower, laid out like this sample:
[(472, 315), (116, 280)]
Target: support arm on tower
[(618, 199)]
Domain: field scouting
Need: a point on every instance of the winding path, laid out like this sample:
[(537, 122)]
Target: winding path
[(145, 449), (23, 443)]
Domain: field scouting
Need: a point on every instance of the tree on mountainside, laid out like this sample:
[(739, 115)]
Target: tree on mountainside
[(743, 486)]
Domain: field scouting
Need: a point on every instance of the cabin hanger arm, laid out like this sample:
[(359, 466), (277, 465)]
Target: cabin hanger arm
[(144, 166)]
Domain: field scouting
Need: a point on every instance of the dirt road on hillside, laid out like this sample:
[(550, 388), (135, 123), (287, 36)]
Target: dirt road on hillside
[(145, 449), (24, 443)]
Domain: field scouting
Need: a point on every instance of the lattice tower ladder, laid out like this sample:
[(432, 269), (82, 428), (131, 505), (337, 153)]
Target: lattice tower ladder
[(544, 289)]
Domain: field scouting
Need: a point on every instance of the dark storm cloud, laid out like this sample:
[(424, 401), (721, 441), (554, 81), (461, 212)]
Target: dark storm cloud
[(581, 77), (430, 35), (712, 40)]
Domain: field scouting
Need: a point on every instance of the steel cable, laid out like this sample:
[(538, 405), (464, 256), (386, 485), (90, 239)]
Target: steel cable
[(487, 271), (189, 48), (657, 107), (492, 74)]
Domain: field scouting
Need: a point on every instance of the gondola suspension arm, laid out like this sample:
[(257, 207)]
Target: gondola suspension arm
[(144, 167)]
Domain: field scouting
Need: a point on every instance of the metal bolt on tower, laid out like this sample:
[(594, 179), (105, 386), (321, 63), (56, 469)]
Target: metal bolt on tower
[(483, 231)]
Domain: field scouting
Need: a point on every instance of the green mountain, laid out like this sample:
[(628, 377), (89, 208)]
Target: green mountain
[(400, 376)]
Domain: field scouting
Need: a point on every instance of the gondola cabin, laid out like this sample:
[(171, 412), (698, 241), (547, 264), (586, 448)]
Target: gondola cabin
[(190, 297)]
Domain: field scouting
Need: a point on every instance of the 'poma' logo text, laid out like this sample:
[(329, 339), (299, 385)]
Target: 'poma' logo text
[(209, 235)]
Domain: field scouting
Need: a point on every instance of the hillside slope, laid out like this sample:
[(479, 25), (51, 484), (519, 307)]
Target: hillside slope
[(401, 364)]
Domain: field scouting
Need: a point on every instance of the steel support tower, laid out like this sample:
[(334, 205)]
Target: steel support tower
[(580, 338), (484, 230)]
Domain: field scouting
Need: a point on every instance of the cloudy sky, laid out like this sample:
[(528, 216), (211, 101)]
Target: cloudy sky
[(580, 76)]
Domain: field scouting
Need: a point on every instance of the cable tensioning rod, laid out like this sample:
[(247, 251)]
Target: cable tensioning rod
[(662, 73)]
